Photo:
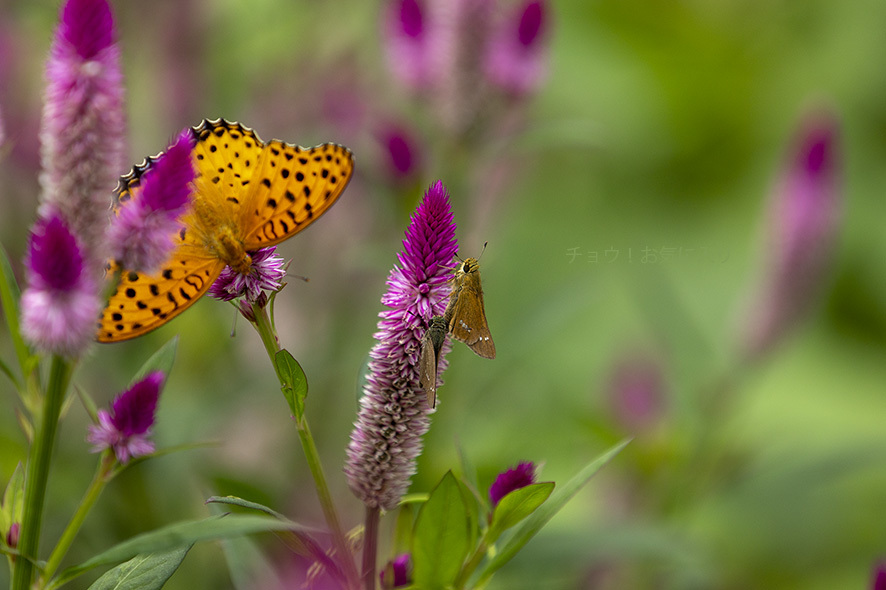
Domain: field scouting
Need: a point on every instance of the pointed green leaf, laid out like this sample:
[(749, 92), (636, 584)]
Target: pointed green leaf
[(178, 535), (295, 383), (442, 536), (162, 360), (516, 506), (7, 370), (9, 297), (13, 499), (540, 517), (142, 572)]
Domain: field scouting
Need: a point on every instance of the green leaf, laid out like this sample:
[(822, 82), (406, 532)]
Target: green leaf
[(246, 562), (295, 384), (142, 572), (540, 517), (177, 535), (403, 529), (7, 370), (162, 360), (13, 500), (442, 536), (9, 297), (516, 506)]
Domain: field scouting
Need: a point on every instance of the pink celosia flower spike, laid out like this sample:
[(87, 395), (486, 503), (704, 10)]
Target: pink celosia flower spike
[(515, 58), (83, 127), (803, 223), (127, 426), (393, 416), (513, 479), (141, 236), (60, 304)]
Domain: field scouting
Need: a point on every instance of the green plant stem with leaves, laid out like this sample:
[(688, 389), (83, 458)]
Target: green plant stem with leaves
[(38, 471), (104, 473), (264, 326)]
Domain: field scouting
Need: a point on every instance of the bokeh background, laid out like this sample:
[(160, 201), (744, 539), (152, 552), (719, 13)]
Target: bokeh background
[(657, 125)]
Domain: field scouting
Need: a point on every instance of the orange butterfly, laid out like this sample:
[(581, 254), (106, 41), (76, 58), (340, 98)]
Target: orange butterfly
[(247, 195)]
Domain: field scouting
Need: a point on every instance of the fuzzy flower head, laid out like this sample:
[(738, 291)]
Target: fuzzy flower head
[(513, 479), (82, 130), (127, 426), (141, 236), (878, 581), (803, 224), (266, 274), (398, 572), (515, 58), (61, 302), (393, 416)]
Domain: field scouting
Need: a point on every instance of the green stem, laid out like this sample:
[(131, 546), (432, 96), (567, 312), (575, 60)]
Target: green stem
[(468, 568), (103, 475), (370, 548), (38, 471), (272, 346)]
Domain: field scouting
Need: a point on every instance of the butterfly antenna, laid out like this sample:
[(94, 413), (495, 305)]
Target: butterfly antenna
[(483, 250)]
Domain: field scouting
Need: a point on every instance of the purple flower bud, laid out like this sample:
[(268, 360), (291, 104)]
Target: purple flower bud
[(879, 578), (265, 274), (12, 535), (397, 573), (393, 416), (515, 58), (126, 427), (637, 393), (803, 224), (82, 132), (141, 236), (513, 479), (61, 303)]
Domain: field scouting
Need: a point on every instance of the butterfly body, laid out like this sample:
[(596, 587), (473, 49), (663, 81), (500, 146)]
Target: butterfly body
[(246, 195), (465, 314), (431, 343)]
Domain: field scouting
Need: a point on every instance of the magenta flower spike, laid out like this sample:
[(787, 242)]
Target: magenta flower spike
[(141, 236), (127, 426), (803, 225), (878, 582), (408, 43), (516, 55), (393, 417), (82, 130), (266, 274), (401, 152), (513, 479), (61, 301), (398, 572)]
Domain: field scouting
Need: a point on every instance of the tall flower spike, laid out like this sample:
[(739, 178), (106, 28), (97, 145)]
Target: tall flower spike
[(407, 43), (803, 223), (393, 416), (513, 479), (82, 131), (61, 302), (141, 236), (515, 58), (126, 427)]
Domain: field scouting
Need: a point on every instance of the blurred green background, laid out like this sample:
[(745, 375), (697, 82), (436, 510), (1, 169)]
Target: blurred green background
[(660, 124)]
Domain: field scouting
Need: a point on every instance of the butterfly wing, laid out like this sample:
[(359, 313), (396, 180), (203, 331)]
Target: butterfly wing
[(467, 315), (292, 187), (143, 303), (427, 369)]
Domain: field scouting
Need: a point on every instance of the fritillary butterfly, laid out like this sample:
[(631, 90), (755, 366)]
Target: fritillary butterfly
[(247, 195)]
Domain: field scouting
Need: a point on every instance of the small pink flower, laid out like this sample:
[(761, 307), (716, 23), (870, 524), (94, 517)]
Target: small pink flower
[(398, 572), (141, 236), (513, 479), (515, 59), (266, 274), (60, 305), (127, 426), (408, 42)]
